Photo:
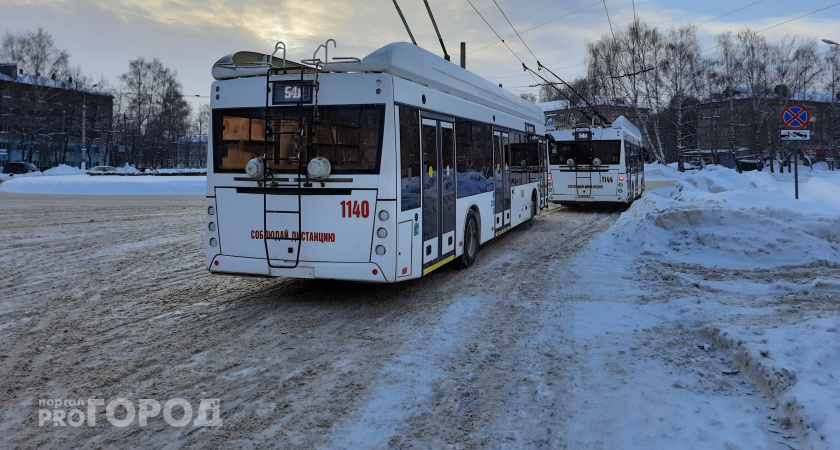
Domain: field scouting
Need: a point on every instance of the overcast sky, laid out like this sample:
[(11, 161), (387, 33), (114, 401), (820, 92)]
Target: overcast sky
[(190, 35)]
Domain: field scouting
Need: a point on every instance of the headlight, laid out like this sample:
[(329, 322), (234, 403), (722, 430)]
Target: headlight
[(212, 226), (382, 232), (211, 210), (255, 169), (214, 242), (383, 215), (380, 250)]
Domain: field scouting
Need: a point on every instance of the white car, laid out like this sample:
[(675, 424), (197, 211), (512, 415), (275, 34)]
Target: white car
[(102, 170)]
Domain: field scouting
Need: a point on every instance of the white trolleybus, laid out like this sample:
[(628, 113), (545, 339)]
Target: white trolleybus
[(380, 169), (597, 164)]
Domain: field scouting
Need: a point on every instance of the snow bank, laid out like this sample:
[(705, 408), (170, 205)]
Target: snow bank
[(127, 169), (717, 217), (661, 172), (715, 250), (798, 364), (64, 169), (107, 185)]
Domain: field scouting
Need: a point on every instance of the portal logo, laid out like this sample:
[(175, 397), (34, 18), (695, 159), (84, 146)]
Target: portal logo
[(122, 412)]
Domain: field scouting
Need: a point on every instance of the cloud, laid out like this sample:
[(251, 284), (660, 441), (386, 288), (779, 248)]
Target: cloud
[(190, 35)]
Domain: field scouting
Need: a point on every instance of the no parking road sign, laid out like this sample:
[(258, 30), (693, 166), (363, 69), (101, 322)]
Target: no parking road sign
[(796, 117)]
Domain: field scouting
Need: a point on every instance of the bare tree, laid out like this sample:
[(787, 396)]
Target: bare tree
[(201, 125), (31, 117), (680, 71), (832, 87), (155, 111), (36, 53)]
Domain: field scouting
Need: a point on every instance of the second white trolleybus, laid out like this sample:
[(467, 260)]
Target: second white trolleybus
[(597, 164), (381, 169)]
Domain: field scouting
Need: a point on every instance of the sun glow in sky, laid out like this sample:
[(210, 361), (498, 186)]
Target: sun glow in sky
[(190, 35)]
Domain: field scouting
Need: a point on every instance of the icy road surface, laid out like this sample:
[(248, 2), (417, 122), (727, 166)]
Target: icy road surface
[(536, 346)]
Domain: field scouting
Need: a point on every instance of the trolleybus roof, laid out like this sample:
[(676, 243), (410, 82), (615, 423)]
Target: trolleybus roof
[(399, 59), (413, 63)]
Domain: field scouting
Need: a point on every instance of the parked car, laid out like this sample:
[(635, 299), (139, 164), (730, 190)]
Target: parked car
[(102, 170), (19, 167)]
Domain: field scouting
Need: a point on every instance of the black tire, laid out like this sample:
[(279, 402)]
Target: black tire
[(471, 240), (530, 223)]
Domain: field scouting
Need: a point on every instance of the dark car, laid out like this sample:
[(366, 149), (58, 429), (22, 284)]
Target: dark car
[(19, 167)]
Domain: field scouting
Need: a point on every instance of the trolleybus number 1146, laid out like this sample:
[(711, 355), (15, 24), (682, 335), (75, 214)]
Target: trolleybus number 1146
[(351, 208)]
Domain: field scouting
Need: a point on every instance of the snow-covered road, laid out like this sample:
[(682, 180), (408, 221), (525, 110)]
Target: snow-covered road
[(597, 328)]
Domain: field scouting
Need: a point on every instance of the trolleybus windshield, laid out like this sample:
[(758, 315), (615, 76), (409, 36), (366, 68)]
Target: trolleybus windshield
[(583, 152), (349, 136)]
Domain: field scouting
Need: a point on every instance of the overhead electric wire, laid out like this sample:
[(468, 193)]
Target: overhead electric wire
[(608, 18), (537, 26), (797, 18), (671, 34), (497, 34), (514, 29), (780, 23), (541, 67)]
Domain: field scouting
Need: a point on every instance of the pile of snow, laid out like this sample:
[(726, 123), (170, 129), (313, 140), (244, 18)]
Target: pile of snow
[(713, 253), (661, 172), (64, 169), (718, 217), (131, 170), (799, 364)]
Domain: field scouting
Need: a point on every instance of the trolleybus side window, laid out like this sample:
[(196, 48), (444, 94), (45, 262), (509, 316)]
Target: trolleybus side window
[(410, 158), (350, 137), (474, 150), (525, 158)]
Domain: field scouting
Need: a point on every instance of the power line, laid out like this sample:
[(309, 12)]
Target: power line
[(634, 4), (537, 26), (780, 23), (608, 19), (497, 34), (797, 18), (514, 29)]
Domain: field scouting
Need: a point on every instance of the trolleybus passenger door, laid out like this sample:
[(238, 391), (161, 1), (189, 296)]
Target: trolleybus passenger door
[(501, 159), (438, 141)]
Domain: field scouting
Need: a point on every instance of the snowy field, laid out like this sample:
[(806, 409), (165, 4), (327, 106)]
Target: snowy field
[(70, 180), (706, 315)]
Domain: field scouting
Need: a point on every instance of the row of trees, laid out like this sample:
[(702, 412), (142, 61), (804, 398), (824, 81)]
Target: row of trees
[(146, 121), (730, 98)]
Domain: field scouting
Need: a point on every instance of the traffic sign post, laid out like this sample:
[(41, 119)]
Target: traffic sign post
[(796, 118)]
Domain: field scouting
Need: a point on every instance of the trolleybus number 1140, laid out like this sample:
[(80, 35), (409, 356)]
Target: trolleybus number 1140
[(353, 208)]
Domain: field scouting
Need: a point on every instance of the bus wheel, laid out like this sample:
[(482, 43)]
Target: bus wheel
[(533, 211), (470, 240)]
